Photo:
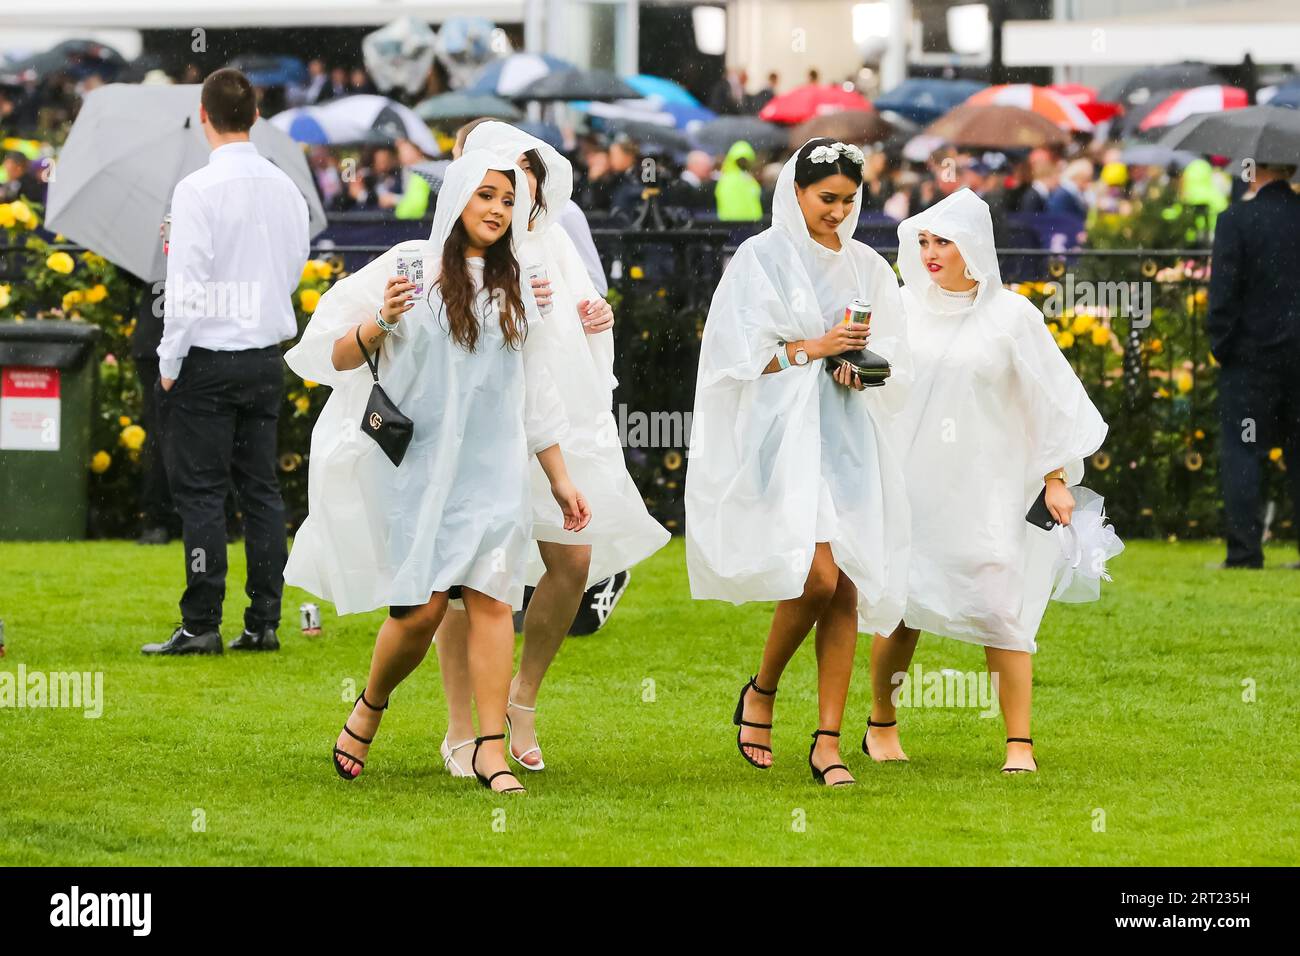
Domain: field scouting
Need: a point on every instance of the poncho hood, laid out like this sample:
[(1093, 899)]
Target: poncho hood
[(507, 143), (962, 218)]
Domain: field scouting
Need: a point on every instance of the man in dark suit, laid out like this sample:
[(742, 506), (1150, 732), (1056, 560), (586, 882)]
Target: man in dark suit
[(1254, 328)]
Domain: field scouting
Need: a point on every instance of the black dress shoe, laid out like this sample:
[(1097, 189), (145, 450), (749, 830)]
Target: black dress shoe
[(208, 642), (260, 640), (153, 536)]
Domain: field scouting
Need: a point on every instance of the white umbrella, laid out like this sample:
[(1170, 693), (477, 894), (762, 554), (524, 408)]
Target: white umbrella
[(400, 54), (356, 119), (127, 150)]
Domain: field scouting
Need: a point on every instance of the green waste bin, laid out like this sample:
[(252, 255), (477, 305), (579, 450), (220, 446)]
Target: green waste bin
[(47, 387)]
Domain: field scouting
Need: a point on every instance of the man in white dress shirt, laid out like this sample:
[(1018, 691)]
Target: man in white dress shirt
[(239, 240)]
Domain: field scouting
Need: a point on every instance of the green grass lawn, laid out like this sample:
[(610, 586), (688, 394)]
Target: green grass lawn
[(1139, 715)]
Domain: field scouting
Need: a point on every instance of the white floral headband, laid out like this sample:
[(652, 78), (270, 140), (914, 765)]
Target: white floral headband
[(828, 154)]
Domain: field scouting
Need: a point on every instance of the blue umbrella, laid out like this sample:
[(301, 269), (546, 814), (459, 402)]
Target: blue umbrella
[(1288, 94), (271, 70), (924, 100), (669, 92)]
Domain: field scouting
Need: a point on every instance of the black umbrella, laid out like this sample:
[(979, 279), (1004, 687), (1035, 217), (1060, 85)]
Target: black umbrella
[(1269, 135), (566, 85), (717, 135), (78, 57), (1148, 83)]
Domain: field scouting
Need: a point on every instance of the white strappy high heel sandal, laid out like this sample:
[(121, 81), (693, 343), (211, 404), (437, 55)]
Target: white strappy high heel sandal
[(519, 758), (449, 761)]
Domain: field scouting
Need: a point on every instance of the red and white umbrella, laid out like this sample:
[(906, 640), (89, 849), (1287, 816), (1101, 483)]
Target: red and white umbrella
[(1180, 104), (805, 102), (1086, 98), (1047, 103)]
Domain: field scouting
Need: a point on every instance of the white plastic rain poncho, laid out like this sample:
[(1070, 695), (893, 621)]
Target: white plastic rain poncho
[(781, 461), (457, 510), (994, 408), (621, 532)]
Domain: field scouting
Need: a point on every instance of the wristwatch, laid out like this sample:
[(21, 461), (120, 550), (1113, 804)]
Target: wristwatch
[(800, 356), (1059, 473)]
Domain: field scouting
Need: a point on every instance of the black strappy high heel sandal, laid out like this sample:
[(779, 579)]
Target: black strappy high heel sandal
[(741, 723), (819, 776), (361, 698), (1022, 740), (866, 750), (487, 781)]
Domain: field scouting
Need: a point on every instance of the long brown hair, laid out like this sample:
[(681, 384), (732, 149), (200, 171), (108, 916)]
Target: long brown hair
[(500, 283)]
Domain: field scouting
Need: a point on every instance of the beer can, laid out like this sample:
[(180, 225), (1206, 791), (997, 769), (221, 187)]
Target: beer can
[(538, 271), (859, 310), (309, 614), (410, 266)]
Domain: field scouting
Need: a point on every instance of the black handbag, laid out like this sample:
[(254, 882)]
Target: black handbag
[(383, 420)]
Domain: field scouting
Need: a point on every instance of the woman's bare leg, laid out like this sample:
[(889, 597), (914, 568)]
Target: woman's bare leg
[(790, 625), (401, 645), (837, 640), (890, 656), (452, 645), (491, 654), (549, 616), (1014, 671)]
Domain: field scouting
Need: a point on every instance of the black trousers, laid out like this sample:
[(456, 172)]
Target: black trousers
[(156, 508), (1259, 409), (220, 420)]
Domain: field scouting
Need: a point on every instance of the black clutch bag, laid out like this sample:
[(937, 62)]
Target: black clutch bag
[(383, 420), (872, 369)]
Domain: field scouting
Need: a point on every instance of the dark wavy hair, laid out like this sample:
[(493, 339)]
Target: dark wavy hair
[(806, 172), (539, 172), (501, 277)]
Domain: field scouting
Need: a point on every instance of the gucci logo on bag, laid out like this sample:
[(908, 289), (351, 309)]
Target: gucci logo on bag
[(375, 420)]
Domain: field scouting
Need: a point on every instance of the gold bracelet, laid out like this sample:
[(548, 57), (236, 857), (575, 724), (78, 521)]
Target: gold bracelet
[(1059, 473)]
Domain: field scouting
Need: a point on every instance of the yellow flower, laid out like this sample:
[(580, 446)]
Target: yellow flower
[(1200, 434), (70, 299), (92, 259), (1053, 327), (1274, 454), (636, 272), (124, 420), (97, 293), (309, 298), (7, 219), (100, 462), (315, 269), (1065, 339), (303, 404), (1157, 345), (60, 262), (1082, 323), (307, 384), (132, 437), (1183, 379), (1100, 335), (22, 213), (1162, 392), (4, 296)]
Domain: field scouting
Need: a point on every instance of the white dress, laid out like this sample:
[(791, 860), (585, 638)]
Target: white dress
[(780, 461), (995, 407), (621, 532), (457, 511)]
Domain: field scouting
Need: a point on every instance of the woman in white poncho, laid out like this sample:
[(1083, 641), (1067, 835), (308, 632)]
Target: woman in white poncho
[(576, 345), (793, 491), (453, 518), (996, 417)]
